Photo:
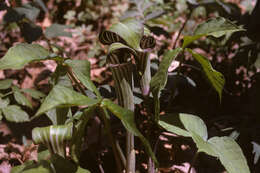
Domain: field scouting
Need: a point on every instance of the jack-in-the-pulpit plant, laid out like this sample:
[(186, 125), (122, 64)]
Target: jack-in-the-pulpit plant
[(130, 43)]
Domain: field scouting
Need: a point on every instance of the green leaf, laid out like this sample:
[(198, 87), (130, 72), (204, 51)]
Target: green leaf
[(43, 154), (4, 103), (33, 93), (154, 14), (257, 61), (54, 137), (21, 99), (159, 80), (56, 30), (60, 76), (42, 5), (15, 88), (42, 167), (194, 124), (215, 27), (22, 54), (203, 145), (182, 124), (28, 11), (216, 78), (61, 96), (225, 148), (130, 13), (19, 168), (1, 116), (127, 118), (173, 128), (223, 8), (229, 154), (14, 113), (81, 69), (189, 39), (188, 125), (129, 30), (5, 84)]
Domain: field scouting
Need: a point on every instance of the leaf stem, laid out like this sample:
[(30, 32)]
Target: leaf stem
[(181, 30), (193, 161), (122, 156), (181, 62), (74, 79), (11, 92), (130, 162), (151, 164), (191, 66)]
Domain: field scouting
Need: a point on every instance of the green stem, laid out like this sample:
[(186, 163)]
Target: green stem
[(157, 107), (181, 30), (106, 122), (146, 76), (123, 76), (130, 161), (70, 73), (151, 166), (193, 161), (181, 61), (11, 92), (174, 45), (74, 79), (78, 84), (122, 156)]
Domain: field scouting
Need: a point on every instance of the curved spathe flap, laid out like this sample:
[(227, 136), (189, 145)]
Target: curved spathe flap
[(119, 53), (147, 42), (54, 137)]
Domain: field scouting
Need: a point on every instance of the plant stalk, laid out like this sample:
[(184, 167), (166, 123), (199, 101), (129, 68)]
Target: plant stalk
[(193, 161), (74, 79), (107, 125), (144, 66), (122, 156), (123, 76), (181, 30), (146, 76)]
